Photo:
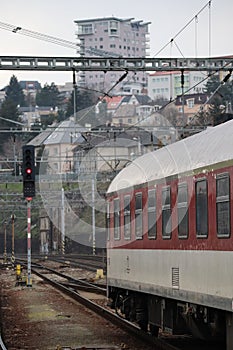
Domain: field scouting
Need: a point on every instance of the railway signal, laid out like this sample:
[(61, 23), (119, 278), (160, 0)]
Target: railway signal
[(28, 171)]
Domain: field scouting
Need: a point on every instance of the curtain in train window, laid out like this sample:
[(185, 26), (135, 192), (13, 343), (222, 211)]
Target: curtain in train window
[(223, 205), (182, 208), (152, 214), (127, 221), (116, 218), (138, 215), (201, 208), (166, 212)]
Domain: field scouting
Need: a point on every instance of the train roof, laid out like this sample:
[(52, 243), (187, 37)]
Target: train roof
[(209, 147)]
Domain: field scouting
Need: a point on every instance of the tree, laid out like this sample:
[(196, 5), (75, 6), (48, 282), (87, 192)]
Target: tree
[(9, 115), (221, 97), (83, 99), (14, 92), (9, 112), (48, 96)]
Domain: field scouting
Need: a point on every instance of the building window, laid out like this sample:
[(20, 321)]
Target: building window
[(223, 205), (152, 214), (201, 208), (85, 29), (116, 218), (182, 208), (127, 225), (113, 28), (166, 212), (190, 103), (138, 215)]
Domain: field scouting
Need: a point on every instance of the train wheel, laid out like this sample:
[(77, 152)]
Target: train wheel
[(154, 330)]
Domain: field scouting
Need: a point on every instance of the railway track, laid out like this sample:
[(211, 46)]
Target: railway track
[(2, 345), (74, 290), (88, 262), (82, 291)]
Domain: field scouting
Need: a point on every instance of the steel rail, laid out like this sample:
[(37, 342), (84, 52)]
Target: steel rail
[(108, 315), (2, 345)]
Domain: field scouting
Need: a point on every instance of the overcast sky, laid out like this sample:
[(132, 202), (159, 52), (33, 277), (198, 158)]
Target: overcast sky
[(56, 18)]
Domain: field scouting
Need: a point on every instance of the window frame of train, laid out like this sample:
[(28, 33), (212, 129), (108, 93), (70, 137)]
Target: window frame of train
[(116, 215), (151, 214), (182, 210), (166, 213), (138, 215), (108, 220), (201, 204), (223, 200), (127, 217)]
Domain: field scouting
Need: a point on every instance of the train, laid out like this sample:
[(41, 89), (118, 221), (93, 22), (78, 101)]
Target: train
[(169, 224)]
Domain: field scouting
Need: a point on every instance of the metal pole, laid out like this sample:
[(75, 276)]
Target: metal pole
[(13, 240), (182, 91), (14, 156), (29, 277), (62, 222), (74, 93), (5, 252), (93, 216)]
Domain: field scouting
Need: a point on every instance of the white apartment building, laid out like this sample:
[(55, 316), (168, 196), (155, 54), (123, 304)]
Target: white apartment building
[(112, 37), (167, 85)]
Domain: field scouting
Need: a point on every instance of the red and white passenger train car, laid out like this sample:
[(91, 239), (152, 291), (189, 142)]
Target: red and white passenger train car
[(170, 237)]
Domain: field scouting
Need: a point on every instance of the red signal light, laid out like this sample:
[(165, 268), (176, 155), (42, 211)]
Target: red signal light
[(28, 170)]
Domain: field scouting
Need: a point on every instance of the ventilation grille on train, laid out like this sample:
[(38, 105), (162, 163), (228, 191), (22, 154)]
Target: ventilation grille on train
[(175, 277)]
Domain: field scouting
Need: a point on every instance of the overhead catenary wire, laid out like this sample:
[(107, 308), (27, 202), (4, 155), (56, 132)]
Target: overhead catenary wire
[(183, 28), (17, 29), (36, 35)]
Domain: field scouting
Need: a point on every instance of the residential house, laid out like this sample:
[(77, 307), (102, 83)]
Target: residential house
[(58, 147), (33, 115), (189, 106), (133, 109)]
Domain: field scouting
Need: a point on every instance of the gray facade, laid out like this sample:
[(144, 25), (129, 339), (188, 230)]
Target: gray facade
[(112, 37)]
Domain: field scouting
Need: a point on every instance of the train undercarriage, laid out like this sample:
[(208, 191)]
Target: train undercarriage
[(156, 314)]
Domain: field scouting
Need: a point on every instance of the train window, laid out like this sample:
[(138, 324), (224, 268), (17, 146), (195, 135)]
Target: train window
[(152, 214), (116, 218), (127, 221), (223, 205), (166, 212), (138, 215), (182, 208), (201, 208), (108, 220)]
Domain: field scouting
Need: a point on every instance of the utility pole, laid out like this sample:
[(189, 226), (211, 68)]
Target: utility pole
[(29, 277), (74, 93), (93, 215), (62, 222), (13, 240), (5, 251)]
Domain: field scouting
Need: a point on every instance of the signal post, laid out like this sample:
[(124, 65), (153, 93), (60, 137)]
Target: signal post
[(28, 171)]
